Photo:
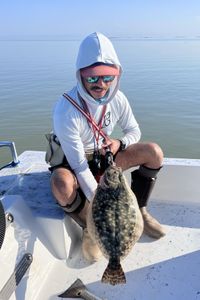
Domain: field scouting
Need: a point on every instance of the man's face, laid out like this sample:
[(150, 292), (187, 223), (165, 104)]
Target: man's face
[(98, 89)]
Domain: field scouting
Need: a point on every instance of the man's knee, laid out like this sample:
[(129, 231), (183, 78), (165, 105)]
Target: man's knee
[(63, 178), (63, 185), (155, 153)]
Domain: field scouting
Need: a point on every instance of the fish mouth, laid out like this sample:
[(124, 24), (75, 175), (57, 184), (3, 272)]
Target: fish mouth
[(113, 169), (112, 175)]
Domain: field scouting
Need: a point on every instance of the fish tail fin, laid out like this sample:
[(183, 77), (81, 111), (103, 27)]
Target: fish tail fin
[(114, 274)]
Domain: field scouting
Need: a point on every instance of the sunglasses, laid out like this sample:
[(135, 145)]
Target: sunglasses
[(95, 79)]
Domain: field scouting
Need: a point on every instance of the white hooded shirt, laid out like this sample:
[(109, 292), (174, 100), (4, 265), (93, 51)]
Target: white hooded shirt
[(71, 127)]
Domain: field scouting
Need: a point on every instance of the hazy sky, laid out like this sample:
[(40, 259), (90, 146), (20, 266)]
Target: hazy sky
[(77, 18)]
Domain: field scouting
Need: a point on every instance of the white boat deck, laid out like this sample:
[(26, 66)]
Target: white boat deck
[(165, 269)]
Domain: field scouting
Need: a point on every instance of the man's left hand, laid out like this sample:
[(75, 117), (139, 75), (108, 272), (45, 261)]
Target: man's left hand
[(113, 144)]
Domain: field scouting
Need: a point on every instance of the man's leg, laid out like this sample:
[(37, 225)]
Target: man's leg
[(72, 200), (150, 157), (143, 181)]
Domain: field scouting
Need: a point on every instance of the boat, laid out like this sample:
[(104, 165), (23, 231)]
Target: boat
[(41, 258)]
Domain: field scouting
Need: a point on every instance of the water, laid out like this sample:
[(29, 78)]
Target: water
[(161, 80)]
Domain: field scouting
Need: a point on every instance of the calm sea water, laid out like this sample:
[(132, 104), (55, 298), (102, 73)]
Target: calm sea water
[(161, 79)]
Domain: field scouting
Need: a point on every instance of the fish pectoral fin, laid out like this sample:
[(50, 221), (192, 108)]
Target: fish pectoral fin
[(113, 274)]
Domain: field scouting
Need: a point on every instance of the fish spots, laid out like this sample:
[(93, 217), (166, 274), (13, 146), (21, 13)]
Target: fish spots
[(116, 216)]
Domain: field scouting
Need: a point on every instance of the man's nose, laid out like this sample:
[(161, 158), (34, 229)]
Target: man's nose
[(100, 81)]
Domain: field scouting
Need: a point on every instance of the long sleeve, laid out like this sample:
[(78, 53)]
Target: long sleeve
[(123, 114), (67, 124)]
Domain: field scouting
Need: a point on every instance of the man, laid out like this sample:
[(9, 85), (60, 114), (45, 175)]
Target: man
[(74, 182)]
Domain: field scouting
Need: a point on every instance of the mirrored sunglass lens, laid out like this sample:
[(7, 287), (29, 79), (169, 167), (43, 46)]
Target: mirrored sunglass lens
[(108, 78), (92, 79)]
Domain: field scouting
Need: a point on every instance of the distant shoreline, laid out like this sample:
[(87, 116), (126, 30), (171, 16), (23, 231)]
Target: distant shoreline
[(118, 38)]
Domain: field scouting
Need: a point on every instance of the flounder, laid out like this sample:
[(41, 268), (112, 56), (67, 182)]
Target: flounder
[(114, 222)]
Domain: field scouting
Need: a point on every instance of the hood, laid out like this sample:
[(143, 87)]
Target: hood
[(95, 48)]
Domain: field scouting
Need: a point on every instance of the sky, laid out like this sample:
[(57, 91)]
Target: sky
[(77, 18)]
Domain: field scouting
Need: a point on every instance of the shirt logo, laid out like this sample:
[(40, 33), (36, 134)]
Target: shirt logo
[(107, 120)]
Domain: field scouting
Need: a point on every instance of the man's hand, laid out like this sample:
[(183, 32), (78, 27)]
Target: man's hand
[(112, 144)]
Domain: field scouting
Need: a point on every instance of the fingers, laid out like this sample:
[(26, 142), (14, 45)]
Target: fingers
[(112, 144)]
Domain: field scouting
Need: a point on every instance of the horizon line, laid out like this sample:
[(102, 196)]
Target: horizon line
[(112, 37)]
